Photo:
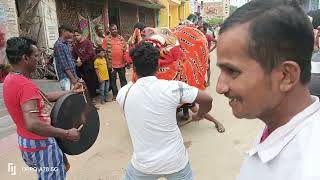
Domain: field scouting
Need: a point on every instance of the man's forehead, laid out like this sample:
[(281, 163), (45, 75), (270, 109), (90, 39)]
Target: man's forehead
[(232, 48)]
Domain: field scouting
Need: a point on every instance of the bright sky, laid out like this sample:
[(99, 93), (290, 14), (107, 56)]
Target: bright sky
[(232, 2), (237, 2)]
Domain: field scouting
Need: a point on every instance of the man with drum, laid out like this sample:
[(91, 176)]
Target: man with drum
[(29, 109)]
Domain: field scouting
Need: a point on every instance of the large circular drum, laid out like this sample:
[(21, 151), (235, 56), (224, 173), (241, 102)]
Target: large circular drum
[(72, 111)]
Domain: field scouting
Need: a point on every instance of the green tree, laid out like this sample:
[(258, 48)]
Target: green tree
[(233, 9), (214, 21)]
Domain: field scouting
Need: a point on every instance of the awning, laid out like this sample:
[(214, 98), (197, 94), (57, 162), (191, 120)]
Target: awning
[(153, 4), (175, 2)]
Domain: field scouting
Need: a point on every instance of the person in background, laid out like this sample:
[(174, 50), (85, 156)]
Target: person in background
[(100, 64), (115, 47), (100, 36), (65, 64), (137, 34), (135, 38), (314, 84), (212, 44), (266, 77), (84, 52)]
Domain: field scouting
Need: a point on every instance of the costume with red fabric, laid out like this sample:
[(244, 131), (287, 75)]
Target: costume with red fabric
[(186, 61)]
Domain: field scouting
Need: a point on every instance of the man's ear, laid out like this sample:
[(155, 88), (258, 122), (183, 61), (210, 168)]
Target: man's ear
[(290, 75), (25, 58)]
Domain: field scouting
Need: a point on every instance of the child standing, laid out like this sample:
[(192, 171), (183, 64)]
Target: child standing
[(100, 65)]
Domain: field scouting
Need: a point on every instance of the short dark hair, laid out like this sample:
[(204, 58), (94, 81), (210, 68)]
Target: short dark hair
[(279, 30), (99, 49), (112, 25), (315, 18), (140, 26), (17, 47), (78, 31), (64, 28), (145, 59), (205, 28)]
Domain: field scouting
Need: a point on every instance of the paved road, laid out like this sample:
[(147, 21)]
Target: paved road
[(212, 155)]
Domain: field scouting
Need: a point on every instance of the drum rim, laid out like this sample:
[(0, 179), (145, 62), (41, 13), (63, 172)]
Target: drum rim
[(54, 116)]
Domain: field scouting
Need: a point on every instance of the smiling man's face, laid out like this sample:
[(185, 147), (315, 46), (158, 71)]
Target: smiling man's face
[(252, 92)]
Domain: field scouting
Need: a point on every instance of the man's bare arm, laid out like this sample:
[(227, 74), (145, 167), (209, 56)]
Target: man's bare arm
[(205, 103), (33, 124)]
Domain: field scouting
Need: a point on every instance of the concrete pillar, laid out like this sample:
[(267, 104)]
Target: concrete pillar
[(174, 15), (8, 25), (164, 14), (106, 16)]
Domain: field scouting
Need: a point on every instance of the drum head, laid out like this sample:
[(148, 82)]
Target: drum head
[(71, 111)]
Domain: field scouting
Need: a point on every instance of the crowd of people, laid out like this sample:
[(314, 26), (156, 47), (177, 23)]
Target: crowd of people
[(76, 56), (83, 61), (265, 77)]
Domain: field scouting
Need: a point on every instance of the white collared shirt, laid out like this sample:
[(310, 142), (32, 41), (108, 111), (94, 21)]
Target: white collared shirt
[(150, 111), (291, 152)]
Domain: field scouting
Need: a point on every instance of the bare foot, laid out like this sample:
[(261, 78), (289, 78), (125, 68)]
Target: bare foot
[(220, 128)]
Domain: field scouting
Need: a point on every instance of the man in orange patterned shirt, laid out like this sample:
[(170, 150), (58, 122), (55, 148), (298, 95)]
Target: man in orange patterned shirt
[(115, 47)]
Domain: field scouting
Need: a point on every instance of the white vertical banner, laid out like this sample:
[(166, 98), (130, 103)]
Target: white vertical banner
[(50, 21), (11, 18)]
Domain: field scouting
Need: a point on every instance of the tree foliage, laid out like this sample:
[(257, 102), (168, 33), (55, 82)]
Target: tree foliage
[(233, 9), (214, 21)]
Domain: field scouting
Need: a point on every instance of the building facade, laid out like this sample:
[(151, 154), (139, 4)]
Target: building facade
[(216, 8), (40, 19), (8, 25), (174, 12), (123, 13)]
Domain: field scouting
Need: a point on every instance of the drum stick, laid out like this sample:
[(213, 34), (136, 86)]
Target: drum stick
[(84, 96), (80, 127)]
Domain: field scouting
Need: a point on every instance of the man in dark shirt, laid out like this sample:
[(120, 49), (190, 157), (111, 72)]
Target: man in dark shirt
[(85, 55)]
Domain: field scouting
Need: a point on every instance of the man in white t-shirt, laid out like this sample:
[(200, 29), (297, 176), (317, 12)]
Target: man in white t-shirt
[(266, 77), (149, 106)]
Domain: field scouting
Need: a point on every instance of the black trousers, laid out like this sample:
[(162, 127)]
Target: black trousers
[(113, 79), (88, 74)]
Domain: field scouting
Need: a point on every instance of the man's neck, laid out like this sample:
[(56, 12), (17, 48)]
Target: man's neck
[(138, 77), (63, 39), (291, 105), (115, 35), (18, 69), (81, 40)]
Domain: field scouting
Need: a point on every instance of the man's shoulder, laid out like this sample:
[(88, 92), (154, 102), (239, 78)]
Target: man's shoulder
[(59, 43), (98, 60), (209, 37), (123, 91), (120, 37), (87, 41), (14, 83)]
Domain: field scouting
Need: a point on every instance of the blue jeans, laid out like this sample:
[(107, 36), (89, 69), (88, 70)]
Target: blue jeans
[(133, 174), (104, 89), (65, 84)]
